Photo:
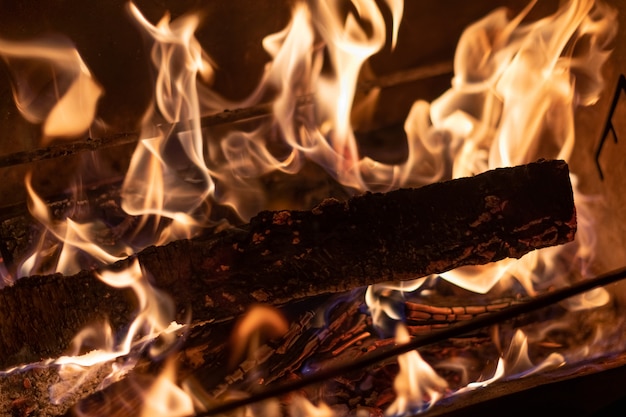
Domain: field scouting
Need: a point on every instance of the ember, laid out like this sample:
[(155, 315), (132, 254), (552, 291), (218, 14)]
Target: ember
[(278, 215)]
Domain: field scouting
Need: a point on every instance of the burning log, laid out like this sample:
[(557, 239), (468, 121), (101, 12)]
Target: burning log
[(282, 256)]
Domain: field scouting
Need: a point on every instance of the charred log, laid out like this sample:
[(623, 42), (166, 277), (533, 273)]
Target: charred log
[(281, 256)]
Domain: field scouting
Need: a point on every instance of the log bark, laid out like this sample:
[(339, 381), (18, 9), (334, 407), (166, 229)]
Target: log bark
[(281, 256)]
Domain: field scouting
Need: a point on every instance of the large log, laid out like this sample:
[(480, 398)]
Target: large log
[(281, 256)]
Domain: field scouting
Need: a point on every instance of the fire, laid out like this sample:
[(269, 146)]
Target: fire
[(516, 86), (153, 320), (166, 398), (52, 85), (417, 385), (168, 177), (72, 237), (301, 407), (512, 101), (513, 97), (259, 321)]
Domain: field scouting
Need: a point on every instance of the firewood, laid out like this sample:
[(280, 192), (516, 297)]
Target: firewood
[(282, 256)]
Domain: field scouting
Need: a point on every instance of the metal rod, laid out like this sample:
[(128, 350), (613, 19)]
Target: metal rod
[(537, 303)]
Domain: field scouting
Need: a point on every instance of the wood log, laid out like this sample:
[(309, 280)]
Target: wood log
[(348, 335), (281, 256)]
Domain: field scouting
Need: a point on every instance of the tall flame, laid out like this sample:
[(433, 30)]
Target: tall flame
[(168, 176), (512, 101)]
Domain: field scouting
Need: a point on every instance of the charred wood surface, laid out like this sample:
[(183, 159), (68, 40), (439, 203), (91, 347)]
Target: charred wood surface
[(346, 335), (281, 256)]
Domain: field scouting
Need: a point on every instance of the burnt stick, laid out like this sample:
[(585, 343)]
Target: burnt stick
[(457, 330)]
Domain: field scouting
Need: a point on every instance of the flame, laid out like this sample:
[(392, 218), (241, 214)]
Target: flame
[(318, 56), (153, 320), (156, 310), (168, 177), (165, 398), (381, 306), (260, 320), (72, 237), (417, 385), (301, 407), (52, 85), (517, 361), (512, 100)]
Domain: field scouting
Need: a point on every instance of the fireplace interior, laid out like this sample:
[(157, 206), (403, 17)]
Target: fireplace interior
[(189, 70)]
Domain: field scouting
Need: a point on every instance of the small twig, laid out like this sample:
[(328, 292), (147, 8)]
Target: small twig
[(539, 302)]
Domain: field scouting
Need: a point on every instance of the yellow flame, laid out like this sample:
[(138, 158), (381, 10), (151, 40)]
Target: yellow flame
[(53, 85), (73, 238), (515, 363), (319, 36), (168, 176), (301, 407), (518, 362), (154, 319), (260, 320), (512, 101), (417, 385), (165, 398), (380, 307)]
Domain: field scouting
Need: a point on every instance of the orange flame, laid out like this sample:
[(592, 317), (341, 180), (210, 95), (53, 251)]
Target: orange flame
[(259, 320), (72, 237), (165, 398), (168, 176), (52, 85), (417, 385), (301, 407)]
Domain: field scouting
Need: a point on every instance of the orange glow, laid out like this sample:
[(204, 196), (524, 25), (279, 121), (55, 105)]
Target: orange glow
[(301, 407), (417, 385), (260, 320), (52, 85), (165, 398), (72, 237)]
